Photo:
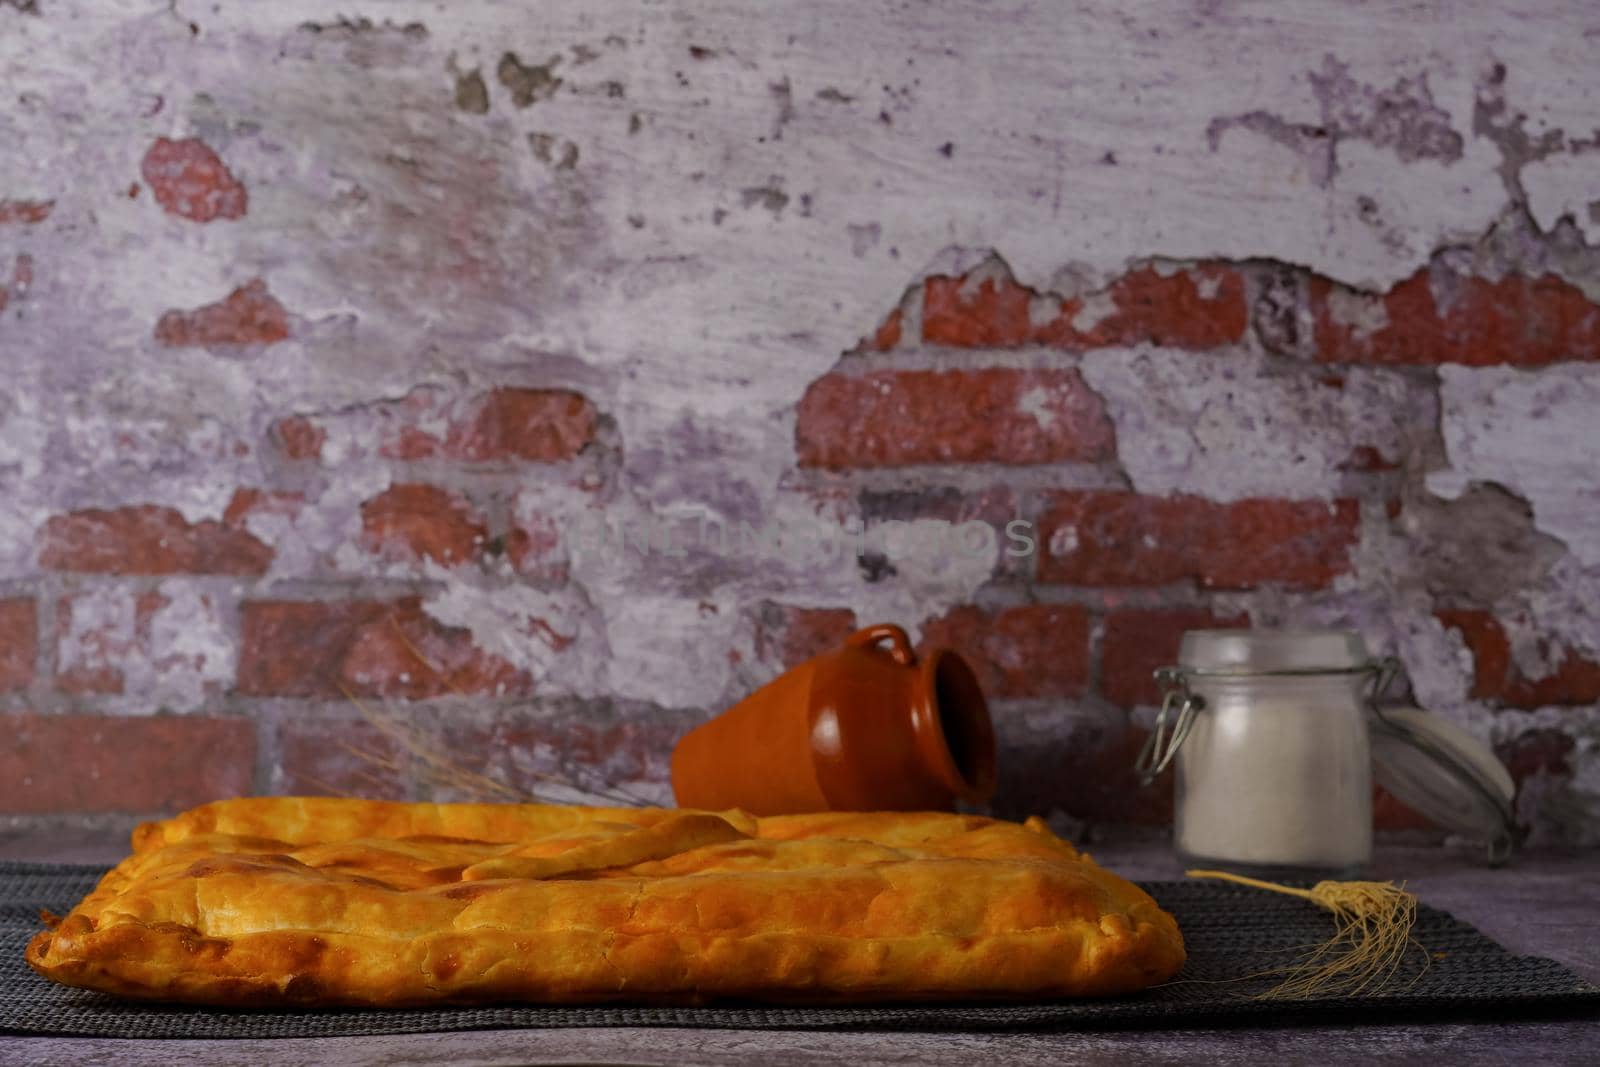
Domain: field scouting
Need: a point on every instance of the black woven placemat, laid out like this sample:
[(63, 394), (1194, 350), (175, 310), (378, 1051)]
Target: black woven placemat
[(1230, 932)]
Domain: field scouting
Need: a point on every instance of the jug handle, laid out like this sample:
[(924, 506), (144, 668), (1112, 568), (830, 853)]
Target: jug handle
[(899, 643)]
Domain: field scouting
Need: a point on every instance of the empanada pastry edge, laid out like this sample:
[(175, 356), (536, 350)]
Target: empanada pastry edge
[(313, 902)]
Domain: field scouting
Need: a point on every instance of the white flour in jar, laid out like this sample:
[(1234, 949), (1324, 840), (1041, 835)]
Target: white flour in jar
[(1277, 772)]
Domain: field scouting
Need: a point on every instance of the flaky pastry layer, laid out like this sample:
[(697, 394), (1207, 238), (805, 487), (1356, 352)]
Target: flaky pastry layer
[(324, 902)]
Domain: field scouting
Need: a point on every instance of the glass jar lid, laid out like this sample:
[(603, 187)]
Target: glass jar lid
[(1272, 651), (1442, 772)]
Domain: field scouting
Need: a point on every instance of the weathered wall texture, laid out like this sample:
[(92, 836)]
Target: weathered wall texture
[(324, 324)]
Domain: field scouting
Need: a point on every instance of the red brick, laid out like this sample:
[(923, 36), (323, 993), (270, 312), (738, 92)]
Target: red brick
[(1000, 415), (345, 759), (1517, 320), (250, 315), (1102, 538), (147, 539), (1201, 307), (1084, 769), (1099, 782), (541, 425), (300, 438), (789, 635), (503, 425), (991, 313), (1138, 642), (21, 279), (1038, 650), (422, 522), (887, 336), (1537, 752), (1496, 677), (410, 656), (24, 212), (92, 763), (189, 180), (629, 750), (19, 643), (533, 758), (1389, 813), (296, 648), (1490, 648), (97, 672), (365, 648), (1574, 682)]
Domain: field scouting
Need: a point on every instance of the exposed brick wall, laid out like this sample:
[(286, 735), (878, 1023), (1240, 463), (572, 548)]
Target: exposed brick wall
[(997, 415), (148, 540), (1124, 574), (19, 643), (1571, 679), (97, 763), (189, 180), (1116, 539), (315, 416), (1116, 577), (1035, 650)]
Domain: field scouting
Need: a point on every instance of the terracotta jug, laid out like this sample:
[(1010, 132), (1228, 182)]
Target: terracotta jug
[(866, 727)]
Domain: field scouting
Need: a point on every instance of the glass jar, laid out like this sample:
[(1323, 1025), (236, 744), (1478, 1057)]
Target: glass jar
[(1269, 731)]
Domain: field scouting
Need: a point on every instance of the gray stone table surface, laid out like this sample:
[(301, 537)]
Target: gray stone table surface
[(1546, 903)]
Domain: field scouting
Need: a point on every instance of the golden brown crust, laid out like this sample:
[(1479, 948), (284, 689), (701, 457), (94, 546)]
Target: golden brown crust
[(301, 901)]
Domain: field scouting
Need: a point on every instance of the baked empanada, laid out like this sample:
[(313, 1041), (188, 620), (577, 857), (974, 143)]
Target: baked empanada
[(321, 902)]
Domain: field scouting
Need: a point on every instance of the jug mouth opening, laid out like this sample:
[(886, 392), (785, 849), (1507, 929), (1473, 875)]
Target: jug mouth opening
[(959, 738)]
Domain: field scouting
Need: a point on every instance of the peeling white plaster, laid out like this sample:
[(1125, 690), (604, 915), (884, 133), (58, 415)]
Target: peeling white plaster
[(1037, 402), (991, 272), (300, 541), (1043, 309), (1564, 186), (24, 437), (1567, 606), (1235, 425), (181, 657), (191, 653), (1533, 433), (1096, 308), (671, 651), (97, 630), (1365, 314), (528, 628)]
